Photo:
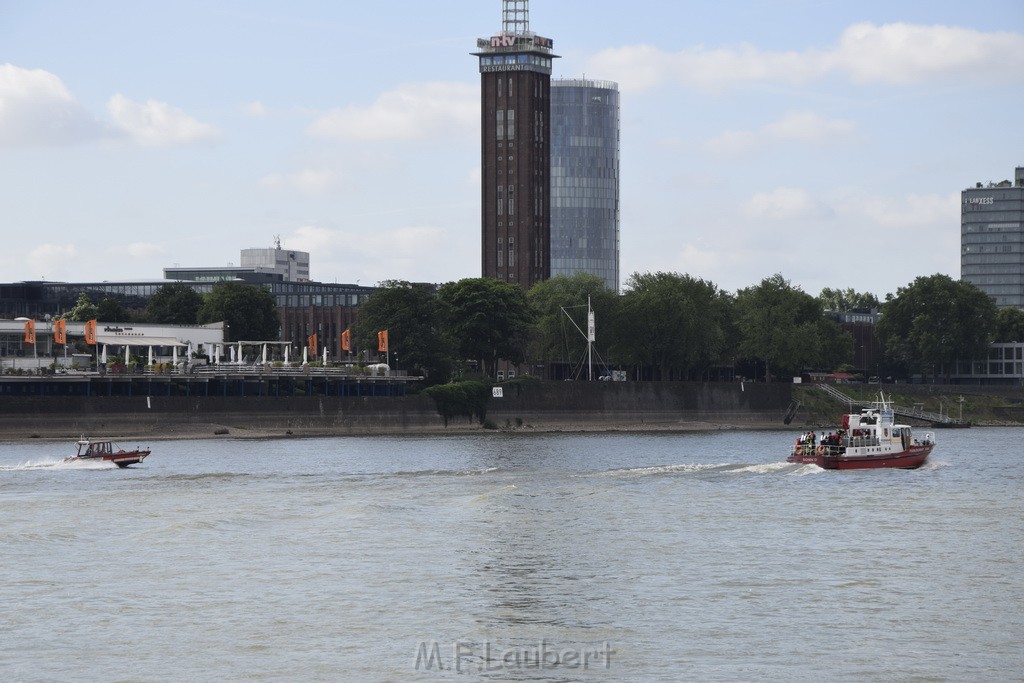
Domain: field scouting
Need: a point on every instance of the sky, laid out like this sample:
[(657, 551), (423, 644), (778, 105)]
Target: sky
[(825, 141)]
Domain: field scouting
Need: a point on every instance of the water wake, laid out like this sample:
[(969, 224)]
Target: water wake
[(472, 472), (59, 464), (715, 468), (661, 469), (764, 468)]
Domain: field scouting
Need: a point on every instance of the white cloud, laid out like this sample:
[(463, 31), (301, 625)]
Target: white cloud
[(36, 108), (889, 54), (315, 239), (806, 126), (420, 253), (733, 143), (255, 109), (409, 112), (907, 212), (906, 53), (144, 249), (307, 181), (50, 260), (158, 123), (798, 126), (783, 204)]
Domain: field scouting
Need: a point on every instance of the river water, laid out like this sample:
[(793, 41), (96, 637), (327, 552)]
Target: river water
[(593, 557)]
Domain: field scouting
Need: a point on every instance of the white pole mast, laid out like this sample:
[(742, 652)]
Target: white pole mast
[(591, 338)]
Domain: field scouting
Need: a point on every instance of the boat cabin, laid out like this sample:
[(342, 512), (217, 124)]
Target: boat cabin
[(97, 448)]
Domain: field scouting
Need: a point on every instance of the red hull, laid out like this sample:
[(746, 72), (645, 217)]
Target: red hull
[(120, 458), (909, 459)]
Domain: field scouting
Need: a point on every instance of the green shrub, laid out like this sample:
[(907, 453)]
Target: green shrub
[(460, 399)]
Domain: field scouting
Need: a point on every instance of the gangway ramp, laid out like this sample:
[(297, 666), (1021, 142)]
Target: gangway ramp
[(936, 419)]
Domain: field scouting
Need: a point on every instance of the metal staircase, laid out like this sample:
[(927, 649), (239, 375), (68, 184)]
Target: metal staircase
[(936, 419)]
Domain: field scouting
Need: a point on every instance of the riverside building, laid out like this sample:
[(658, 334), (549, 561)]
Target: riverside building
[(515, 98), (585, 179), (992, 239)]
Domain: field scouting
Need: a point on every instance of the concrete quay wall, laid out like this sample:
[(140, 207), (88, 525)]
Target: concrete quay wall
[(542, 406)]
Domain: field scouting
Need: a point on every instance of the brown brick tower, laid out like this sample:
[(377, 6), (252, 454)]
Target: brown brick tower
[(515, 85)]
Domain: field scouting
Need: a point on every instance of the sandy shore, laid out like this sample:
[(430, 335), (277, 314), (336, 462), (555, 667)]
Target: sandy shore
[(179, 431)]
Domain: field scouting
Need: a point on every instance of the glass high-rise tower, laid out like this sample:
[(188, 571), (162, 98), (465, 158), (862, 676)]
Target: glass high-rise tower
[(585, 179)]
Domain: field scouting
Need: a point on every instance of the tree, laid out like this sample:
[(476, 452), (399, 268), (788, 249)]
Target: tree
[(560, 307), (174, 304), (249, 311), (935, 320), (842, 300), (784, 327), (675, 323), (1009, 325), (84, 310), (412, 315), (111, 309), (487, 320)]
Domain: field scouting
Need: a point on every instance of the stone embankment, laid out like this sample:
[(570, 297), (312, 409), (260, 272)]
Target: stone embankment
[(524, 406)]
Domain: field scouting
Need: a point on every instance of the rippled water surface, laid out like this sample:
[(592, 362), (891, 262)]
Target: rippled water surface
[(605, 556)]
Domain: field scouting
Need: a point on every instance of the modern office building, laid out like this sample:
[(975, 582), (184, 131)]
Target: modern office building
[(515, 78), (992, 239), (585, 179), (291, 264)]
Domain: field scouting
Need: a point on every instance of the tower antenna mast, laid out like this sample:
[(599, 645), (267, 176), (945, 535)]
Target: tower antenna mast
[(515, 17)]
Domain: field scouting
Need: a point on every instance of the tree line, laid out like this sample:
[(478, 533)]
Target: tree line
[(665, 326), (672, 326)]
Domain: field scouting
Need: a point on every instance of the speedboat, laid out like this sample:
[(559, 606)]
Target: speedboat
[(106, 450)]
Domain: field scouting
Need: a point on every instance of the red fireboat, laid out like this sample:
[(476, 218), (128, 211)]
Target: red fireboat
[(865, 440)]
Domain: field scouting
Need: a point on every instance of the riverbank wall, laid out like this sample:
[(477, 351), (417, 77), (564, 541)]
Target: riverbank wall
[(525, 406)]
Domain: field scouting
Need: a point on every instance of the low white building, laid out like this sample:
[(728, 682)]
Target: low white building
[(138, 342)]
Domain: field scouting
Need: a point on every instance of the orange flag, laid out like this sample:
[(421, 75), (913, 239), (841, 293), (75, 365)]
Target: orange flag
[(311, 342), (382, 341), (60, 332), (30, 331), (346, 340), (90, 332)]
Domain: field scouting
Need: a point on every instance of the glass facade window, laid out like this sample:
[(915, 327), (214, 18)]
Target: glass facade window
[(584, 192), (992, 240)]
